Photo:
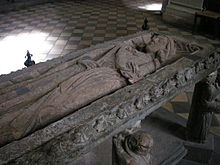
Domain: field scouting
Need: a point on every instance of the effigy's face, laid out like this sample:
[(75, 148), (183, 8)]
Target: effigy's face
[(157, 43)]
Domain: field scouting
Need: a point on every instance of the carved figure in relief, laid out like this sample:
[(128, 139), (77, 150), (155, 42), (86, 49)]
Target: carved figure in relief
[(133, 149), (92, 76), (202, 108)]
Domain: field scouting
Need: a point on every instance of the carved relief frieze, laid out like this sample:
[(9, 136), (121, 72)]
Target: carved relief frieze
[(169, 86), (122, 113), (125, 110), (155, 92), (81, 134), (142, 101), (180, 79), (189, 73), (199, 67), (104, 121), (212, 61)]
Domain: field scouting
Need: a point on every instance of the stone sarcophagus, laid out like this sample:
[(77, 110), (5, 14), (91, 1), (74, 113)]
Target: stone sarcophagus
[(54, 112)]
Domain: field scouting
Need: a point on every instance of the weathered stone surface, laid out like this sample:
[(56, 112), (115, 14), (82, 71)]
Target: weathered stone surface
[(167, 130), (167, 149), (64, 140), (182, 12)]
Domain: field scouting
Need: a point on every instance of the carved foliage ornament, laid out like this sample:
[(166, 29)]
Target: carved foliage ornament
[(104, 121)]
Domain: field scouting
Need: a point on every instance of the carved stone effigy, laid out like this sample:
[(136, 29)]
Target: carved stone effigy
[(95, 74), (58, 110)]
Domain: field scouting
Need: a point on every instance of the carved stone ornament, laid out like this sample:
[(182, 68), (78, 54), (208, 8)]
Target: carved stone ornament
[(81, 135), (123, 111), (104, 121), (133, 149), (142, 101)]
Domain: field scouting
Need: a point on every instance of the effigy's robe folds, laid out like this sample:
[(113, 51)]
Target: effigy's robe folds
[(91, 94)]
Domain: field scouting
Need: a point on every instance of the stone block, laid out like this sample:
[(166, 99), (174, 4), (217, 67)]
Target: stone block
[(197, 4), (200, 152)]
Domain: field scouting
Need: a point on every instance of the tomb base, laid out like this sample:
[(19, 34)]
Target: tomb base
[(198, 152), (167, 149)]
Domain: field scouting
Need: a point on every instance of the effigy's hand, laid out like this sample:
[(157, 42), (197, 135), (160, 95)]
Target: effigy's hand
[(131, 72), (89, 64)]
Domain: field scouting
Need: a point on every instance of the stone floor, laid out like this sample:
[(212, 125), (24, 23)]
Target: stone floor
[(181, 106), (56, 29)]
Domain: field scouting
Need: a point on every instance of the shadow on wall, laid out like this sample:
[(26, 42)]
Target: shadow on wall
[(10, 5)]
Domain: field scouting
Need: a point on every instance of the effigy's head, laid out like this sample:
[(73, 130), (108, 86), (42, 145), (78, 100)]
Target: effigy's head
[(157, 42), (160, 42), (140, 142)]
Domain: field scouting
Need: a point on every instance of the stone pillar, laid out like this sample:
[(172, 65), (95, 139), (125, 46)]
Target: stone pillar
[(164, 5), (181, 12), (202, 108)]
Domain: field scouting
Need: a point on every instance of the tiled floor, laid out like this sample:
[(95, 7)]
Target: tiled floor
[(55, 29), (181, 106)]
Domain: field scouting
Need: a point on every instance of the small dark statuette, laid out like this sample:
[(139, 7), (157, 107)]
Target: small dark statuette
[(28, 62), (204, 104), (145, 26)]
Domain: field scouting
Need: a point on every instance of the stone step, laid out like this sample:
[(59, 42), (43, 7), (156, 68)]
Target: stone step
[(215, 160), (188, 162)]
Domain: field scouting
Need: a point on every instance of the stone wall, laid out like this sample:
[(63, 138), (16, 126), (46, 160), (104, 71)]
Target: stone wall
[(181, 12), (9, 5)]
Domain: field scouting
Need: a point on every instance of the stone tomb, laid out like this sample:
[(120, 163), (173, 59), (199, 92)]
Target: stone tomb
[(54, 112)]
